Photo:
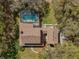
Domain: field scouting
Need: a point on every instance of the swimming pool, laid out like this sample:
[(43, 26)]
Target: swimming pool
[(29, 16)]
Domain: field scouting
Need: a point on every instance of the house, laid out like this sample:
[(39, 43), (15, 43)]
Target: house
[(34, 35), (51, 34), (30, 36)]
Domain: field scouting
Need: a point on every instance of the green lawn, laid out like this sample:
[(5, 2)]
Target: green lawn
[(28, 54), (50, 19)]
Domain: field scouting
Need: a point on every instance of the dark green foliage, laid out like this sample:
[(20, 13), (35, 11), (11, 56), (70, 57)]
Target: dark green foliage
[(65, 51), (67, 15), (1, 28), (8, 27)]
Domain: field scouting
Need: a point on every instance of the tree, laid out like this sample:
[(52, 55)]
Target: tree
[(67, 15), (65, 51), (8, 35), (1, 28)]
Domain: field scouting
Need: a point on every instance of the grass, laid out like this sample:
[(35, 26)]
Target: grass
[(50, 19), (29, 54)]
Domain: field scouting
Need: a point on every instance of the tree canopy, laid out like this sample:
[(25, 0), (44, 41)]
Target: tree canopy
[(67, 15), (65, 51)]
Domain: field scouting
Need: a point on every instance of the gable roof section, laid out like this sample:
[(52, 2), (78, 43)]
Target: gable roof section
[(52, 34), (30, 35)]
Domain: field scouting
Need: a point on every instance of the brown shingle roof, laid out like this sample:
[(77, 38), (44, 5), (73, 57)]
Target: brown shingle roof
[(30, 35), (30, 40), (25, 25), (52, 35)]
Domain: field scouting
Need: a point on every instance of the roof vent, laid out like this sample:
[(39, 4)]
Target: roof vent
[(21, 32)]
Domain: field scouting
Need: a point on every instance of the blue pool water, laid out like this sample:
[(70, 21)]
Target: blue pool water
[(29, 16)]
